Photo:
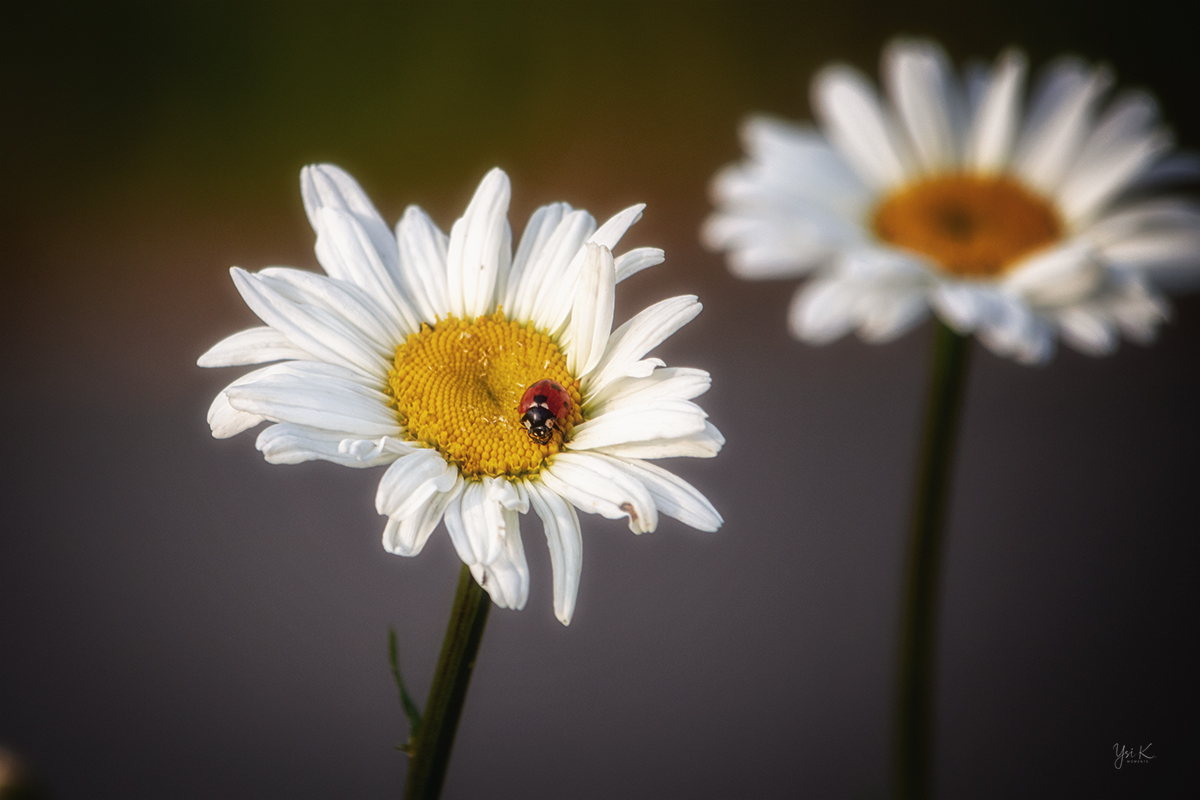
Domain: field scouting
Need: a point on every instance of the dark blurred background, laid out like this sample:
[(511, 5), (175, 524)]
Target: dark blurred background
[(179, 619)]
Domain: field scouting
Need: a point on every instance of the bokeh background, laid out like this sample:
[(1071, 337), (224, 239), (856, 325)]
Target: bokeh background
[(179, 619)]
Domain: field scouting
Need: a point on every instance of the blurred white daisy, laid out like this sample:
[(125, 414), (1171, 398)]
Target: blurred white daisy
[(416, 350), (1017, 226)]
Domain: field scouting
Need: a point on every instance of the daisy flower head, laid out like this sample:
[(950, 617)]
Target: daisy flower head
[(1015, 224), (489, 382)]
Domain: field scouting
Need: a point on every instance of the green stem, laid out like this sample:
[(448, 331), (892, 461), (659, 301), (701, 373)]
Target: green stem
[(431, 750), (918, 644)]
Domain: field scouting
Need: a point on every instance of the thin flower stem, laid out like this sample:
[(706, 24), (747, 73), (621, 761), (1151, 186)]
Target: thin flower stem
[(431, 750), (918, 644)]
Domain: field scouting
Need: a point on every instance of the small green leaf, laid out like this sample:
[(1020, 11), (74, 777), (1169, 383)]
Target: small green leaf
[(410, 708)]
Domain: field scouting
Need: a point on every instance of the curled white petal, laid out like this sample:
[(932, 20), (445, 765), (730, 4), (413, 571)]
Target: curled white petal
[(253, 346), (411, 481), (673, 496), (225, 420), (636, 260), (325, 186), (506, 577), (635, 338), (595, 486), (407, 536), (288, 443)]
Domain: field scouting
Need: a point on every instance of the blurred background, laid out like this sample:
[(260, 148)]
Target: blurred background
[(179, 619)]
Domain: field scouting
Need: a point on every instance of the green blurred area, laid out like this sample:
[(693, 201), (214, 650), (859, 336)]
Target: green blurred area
[(186, 103)]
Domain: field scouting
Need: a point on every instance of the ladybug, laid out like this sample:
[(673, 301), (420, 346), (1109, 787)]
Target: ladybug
[(542, 405)]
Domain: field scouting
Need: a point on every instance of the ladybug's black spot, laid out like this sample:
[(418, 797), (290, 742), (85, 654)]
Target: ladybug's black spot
[(540, 399)]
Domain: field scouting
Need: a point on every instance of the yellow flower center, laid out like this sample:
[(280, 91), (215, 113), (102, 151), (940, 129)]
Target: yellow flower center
[(968, 225), (457, 385)]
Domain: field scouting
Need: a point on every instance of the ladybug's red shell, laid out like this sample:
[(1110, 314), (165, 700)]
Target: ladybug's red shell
[(541, 407)]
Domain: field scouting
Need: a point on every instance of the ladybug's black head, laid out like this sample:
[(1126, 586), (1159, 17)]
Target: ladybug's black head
[(540, 423)]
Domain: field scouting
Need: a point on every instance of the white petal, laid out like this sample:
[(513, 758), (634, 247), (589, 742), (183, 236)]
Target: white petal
[(592, 311), (254, 346), (314, 329), (1059, 120), (824, 309), (921, 87), (1171, 258), (1057, 275), (595, 486), (1162, 214), (1174, 169), (366, 267), (852, 117), (565, 542), (789, 207), (961, 304), (1121, 148), (636, 260), (504, 268), (407, 536), (878, 289), (644, 368), (474, 256), (286, 443), (478, 524), (411, 481), (674, 496), (794, 165), (318, 396), (657, 419), (472, 495), (225, 420), (609, 234), (1137, 309), (675, 383), (783, 241), (994, 125), (1003, 322), (356, 309), (541, 227), (1087, 331), (890, 314), (550, 269), (383, 450), (325, 186), (705, 444), (506, 578), (635, 338), (556, 295), (423, 263)]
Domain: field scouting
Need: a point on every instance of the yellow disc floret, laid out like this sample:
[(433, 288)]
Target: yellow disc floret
[(969, 225), (456, 387)]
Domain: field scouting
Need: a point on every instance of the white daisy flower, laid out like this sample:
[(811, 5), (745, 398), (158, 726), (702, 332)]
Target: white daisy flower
[(1015, 226), (416, 350)]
